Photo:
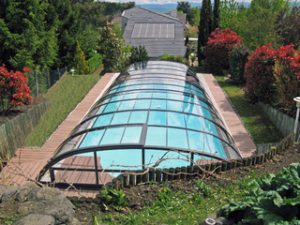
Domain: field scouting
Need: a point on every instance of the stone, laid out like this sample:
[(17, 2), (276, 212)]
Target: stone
[(32, 199), (36, 219)]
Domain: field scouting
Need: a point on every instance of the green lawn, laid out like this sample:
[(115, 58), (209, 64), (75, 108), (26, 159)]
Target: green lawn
[(181, 208), (62, 98), (259, 126)]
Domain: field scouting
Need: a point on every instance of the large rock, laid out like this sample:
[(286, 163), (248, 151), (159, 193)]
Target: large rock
[(36, 219), (32, 200)]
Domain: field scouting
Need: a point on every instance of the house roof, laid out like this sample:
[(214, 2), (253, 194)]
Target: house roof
[(160, 33)]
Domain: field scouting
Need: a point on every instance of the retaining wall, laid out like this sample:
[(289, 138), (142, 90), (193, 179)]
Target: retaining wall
[(283, 122), (14, 131), (159, 175)]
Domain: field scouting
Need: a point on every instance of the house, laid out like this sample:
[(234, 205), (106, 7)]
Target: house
[(160, 33)]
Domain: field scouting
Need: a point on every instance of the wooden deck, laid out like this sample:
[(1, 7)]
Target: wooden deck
[(28, 162), (233, 123), (80, 177)]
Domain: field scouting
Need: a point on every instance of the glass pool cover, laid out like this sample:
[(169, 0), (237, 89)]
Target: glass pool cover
[(154, 115)]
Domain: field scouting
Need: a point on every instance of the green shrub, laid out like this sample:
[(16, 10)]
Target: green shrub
[(113, 197), (173, 58), (138, 54), (203, 188), (80, 63), (237, 61), (273, 199), (94, 62)]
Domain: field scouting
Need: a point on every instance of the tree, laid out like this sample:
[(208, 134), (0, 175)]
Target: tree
[(287, 27), (205, 26), (216, 12), (109, 48), (27, 38), (14, 90), (186, 8), (80, 62), (219, 46), (67, 16), (259, 74), (138, 54)]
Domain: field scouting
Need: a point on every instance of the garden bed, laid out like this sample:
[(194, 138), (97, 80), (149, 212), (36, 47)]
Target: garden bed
[(181, 200)]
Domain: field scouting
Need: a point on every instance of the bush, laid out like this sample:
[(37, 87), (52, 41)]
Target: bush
[(81, 65), (274, 199), (237, 61), (259, 74), (14, 90), (219, 45), (287, 77), (94, 62), (113, 197), (173, 58), (138, 54)]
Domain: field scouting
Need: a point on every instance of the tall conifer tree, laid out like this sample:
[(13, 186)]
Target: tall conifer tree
[(216, 12), (205, 26)]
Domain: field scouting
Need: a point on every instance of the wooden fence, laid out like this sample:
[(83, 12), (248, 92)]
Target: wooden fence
[(283, 122), (160, 175), (14, 131)]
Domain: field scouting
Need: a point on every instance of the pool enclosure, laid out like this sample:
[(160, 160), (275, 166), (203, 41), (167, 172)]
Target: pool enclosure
[(156, 115)]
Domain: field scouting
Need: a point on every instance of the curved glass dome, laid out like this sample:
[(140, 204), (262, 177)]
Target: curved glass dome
[(154, 115)]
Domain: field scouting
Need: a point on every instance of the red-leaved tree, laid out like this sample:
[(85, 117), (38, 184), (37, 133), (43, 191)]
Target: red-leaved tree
[(219, 45), (14, 90), (287, 76), (259, 74)]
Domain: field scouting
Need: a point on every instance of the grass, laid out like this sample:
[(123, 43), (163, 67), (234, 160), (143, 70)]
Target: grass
[(62, 98), (258, 125), (181, 208)]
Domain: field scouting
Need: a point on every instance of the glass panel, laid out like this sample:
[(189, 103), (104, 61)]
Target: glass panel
[(159, 104), (138, 117), (126, 105), (91, 139), (132, 135), (145, 95), (111, 107), (116, 98), (112, 136), (142, 104), (174, 96), (157, 118), (193, 122), (172, 159), (120, 118), (176, 119), (206, 143), (190, 108), (159, 95), (121, 159), (103, 120), (177, 138), (175, 106), (156, 136)]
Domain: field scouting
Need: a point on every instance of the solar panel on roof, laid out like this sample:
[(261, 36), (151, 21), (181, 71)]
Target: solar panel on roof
[(153, 30)]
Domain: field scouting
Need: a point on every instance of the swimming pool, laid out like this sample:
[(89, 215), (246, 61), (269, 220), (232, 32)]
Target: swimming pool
[(155, 116)]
